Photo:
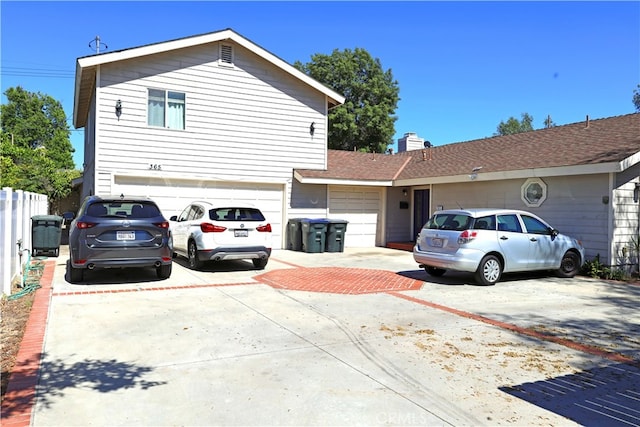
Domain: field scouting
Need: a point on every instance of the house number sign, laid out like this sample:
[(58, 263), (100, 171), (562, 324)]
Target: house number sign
[(155, 167)]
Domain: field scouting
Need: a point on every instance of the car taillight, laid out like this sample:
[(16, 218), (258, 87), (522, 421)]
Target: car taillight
[(466, 236), (211, 228), (83, 224), (264, 228), (163, 224)]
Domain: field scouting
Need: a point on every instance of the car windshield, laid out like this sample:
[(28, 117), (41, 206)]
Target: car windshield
[(449, 221), (236, 214), (128, 209)]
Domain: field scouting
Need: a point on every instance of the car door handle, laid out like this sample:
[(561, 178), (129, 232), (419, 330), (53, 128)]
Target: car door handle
[(504, 238), (533, 239)]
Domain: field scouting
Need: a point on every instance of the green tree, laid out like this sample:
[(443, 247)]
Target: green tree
[(36, 151), (513, 125), (636, 98), (365, 122)]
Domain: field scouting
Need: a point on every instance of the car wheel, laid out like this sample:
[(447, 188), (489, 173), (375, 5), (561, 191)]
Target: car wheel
[(260, 264), (76, 275), (489, 271), (194, 261), (164, 271), (435, 272), (569, 266)]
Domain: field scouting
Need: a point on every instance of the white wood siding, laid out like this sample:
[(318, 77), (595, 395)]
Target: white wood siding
[(361, 207), (626, 227), (574, 205), (247, 123), (398, 221), (307, 200)]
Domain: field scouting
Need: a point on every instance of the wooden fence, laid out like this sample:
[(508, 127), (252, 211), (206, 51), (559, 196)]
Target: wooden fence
[(16, 209)]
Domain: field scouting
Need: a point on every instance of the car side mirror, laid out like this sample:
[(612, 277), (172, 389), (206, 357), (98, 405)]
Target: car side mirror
[(68, 216), (553, 232), (174, 218)]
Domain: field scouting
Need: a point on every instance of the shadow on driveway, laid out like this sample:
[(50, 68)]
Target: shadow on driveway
[(608, 396)]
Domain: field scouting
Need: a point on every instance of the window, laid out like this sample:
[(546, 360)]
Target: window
[(534, 226), (166, 109), (509, 223), (448, 222), (236, 214), (485, 223), (534, 192)]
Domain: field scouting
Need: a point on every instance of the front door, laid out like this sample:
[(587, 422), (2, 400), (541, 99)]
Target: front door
[(421, 211)]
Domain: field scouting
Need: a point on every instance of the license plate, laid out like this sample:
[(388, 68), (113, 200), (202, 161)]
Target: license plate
[(126, 235), (241, 233), (436, 243)]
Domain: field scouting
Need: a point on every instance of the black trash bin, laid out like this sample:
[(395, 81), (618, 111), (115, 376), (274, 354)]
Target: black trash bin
[(314, 234), (46, 232), (335, 235), (294, 232)]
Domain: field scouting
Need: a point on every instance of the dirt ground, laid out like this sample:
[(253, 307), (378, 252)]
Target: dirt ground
[(14, 314)]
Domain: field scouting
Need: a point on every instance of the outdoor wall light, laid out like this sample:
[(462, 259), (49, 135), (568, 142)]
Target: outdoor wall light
[(404, 192), (312, 128), (636, 193), (118, 108), (605, 200), (474, 173)]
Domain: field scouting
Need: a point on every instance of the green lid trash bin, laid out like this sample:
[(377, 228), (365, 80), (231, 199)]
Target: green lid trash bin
[(294, 231), (335, 235), (314, 234), (46, 232)]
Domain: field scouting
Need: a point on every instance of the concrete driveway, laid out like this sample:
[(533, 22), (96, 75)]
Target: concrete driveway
[(356, 338)]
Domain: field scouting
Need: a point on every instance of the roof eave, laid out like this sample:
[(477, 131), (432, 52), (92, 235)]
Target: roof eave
[(587, 169), (341, 181)]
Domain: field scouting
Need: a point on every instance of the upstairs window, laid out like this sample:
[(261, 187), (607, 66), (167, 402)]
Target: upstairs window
[(166, 109)]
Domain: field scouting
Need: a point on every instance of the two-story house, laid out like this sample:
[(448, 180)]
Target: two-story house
[(212, 116)]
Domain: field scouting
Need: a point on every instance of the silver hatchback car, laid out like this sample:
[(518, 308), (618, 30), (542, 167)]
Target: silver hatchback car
[(117, 232), (488, 242)]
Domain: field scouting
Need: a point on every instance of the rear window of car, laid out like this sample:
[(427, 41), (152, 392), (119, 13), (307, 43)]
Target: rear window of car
[(236, 214), (124, 209), (458, 222)]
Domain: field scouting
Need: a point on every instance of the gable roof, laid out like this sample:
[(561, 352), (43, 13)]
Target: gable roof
[(86, 67), (588, 147)]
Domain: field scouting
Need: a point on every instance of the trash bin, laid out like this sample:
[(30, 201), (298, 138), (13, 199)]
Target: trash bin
[(335, 235), (294, 230), (46, 231), (314, 234)]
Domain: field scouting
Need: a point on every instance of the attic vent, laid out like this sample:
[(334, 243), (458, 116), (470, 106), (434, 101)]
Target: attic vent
[(226, 54)]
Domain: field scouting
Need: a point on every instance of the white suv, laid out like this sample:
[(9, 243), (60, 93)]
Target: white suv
[(208, 232), (488, 242)]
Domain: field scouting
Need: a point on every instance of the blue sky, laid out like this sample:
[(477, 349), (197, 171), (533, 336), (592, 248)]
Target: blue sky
[(462, 67)]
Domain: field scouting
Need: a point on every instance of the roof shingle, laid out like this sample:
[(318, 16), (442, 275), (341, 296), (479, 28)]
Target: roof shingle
[(589, 142)]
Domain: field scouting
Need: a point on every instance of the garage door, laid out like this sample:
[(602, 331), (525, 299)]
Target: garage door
[(361, 207), (172, 195)]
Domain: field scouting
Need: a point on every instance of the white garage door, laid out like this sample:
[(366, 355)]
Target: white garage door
[(173, 195), (360, 206)]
